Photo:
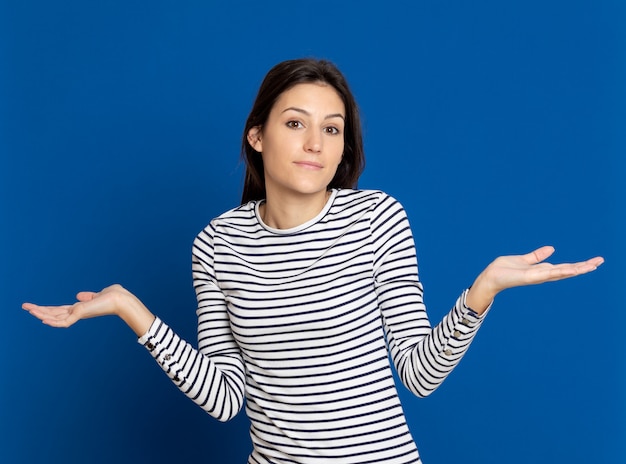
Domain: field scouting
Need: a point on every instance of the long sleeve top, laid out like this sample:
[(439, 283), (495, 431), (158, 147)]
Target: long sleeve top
[(304, 324)]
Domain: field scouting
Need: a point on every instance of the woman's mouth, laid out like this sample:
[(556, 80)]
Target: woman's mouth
[(309, 165)]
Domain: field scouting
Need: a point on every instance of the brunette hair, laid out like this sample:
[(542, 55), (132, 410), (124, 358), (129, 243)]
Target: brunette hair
[(281, 78)]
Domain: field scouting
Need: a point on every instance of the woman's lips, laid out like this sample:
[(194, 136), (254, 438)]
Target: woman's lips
[(309, 164)]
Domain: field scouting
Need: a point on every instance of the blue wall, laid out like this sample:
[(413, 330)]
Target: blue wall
[(499, 125)]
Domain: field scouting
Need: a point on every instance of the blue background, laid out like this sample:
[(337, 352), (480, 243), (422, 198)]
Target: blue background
[(499, 126)]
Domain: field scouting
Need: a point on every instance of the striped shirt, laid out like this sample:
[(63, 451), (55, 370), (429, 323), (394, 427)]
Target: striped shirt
[(305, 323)]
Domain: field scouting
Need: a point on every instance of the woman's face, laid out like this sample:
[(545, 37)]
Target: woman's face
[(302, 141)]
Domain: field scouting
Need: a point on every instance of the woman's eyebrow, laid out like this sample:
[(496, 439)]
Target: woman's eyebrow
[(303, 111)]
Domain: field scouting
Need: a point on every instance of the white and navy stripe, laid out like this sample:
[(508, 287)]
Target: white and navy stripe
[(300, 322)]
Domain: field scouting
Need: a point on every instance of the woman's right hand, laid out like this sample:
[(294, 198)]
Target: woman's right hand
[(113, 300)]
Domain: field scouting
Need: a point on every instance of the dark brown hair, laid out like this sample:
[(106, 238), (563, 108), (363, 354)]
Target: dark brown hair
[(281, 78)]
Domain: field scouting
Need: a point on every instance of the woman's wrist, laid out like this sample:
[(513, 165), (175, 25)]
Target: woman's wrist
[(480, 295), (134, 313)]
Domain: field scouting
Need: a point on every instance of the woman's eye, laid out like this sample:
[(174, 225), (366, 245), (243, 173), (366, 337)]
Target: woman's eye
[(294, 124), (331, 130)]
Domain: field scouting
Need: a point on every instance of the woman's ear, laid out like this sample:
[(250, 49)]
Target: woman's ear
[(254, 139)]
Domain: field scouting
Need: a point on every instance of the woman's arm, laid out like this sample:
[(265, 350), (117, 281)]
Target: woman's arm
[(424, 356), (213, 375), (212, 378)]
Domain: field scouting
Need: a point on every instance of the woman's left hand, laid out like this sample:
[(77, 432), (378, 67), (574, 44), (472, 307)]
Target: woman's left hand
[(515, 271)]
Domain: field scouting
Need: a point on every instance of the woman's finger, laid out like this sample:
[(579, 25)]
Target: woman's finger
[(539, 255), (86, 296), (40, 311)]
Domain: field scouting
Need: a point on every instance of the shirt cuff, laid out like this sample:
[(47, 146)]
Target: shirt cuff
[(468, 313), (148, 339)]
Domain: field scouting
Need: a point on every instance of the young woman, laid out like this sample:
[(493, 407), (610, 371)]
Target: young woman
[(305, 288)]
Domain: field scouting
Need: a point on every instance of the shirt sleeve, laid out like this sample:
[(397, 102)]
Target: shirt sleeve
[(212, 375), (423, 355)]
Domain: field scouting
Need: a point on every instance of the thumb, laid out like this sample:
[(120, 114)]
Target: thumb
[(86, 296)]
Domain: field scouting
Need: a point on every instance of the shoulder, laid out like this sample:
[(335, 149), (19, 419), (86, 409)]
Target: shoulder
[(242, 219), (349, 196), (241, 214), (372, 200)]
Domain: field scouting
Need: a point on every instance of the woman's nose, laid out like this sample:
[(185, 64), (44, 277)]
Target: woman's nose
[(313, 142)]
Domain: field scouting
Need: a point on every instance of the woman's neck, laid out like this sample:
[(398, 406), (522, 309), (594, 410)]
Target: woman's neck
[(280, 212)]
